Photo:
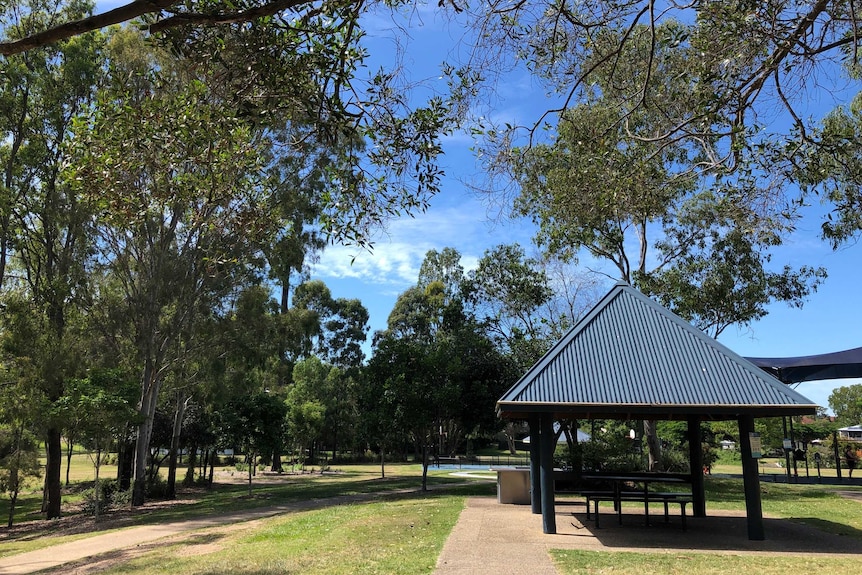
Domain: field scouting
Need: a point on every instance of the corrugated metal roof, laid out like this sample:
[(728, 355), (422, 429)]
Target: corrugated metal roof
[(632, 356)]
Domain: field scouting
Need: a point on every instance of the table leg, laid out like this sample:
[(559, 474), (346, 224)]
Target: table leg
[(646, 503)]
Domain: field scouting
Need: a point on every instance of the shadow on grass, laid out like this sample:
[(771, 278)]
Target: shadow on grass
[(808, 535), (226, 503)]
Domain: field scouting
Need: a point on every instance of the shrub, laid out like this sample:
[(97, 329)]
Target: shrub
[(110, 497), (157, 488)]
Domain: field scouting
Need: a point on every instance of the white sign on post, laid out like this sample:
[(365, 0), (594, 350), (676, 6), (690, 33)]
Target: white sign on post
[(754, 438)]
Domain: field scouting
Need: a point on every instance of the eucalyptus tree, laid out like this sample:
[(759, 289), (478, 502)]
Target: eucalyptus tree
[(343, 328), (749, 61), (343, 324), (172, 171), (702, 246), (254, 424), (846, 403), (22, 404), (45, 227), (309, 398), (742, 76), (435, 370), (509, 293)]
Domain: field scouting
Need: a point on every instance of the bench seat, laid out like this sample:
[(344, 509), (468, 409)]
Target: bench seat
[(682, 499)]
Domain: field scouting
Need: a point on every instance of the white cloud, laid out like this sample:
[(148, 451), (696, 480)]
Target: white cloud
[(399, 250)]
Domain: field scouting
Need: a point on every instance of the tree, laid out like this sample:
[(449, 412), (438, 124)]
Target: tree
[(600, 189), (21, 403), (733, 68), (179, 218), (104, 405), (412, 394), (435, 372), (19, 459), (42, 219), (307, 400), (254, 424), (846, 403), (343, 324), (508, 292), (742, 58), (830, 164)]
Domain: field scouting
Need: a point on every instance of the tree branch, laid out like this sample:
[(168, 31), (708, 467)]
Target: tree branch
[(139, 8), (84, 25)]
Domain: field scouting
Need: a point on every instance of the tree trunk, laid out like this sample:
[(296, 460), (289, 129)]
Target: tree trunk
[(13, 498), (150, 384), (382, 463), (251, 466), (509, 432), (126, 458), (190, 470), (53, 485), (213, 455), (142, 446), (69, 445), (14, 475), (97, 491), (424, 467), (654, 448), (182, 402), (276, 461)]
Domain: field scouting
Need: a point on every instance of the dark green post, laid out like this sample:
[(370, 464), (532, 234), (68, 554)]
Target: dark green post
[(549, 519), (751, 480), (535, 470), (698, 487), (837, 454)]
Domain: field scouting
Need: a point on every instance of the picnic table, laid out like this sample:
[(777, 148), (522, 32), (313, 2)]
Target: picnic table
[(620, 493)]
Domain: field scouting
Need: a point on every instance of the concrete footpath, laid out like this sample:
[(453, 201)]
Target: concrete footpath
[(494, 539)]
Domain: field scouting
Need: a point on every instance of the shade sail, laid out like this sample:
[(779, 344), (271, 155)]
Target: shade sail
[(835, 365)]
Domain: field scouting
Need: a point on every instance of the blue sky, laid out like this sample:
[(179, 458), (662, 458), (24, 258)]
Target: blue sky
[(830, 321)]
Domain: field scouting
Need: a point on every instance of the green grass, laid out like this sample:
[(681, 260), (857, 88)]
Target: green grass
[(225, 498), (404, 533), (403, 536), (816, 505), (572, 562)]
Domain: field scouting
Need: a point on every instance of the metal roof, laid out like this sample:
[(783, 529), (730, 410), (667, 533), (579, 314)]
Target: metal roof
[(629, 357)]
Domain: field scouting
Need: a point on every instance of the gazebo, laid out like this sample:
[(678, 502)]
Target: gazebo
[(630, 358)]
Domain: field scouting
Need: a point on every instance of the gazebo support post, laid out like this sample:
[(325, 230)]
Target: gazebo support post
[(549, 520), (695, 458), (751, 481), (786, 451), (535, 469)]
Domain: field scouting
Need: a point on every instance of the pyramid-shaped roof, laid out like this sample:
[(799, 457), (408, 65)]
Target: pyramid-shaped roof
[(629, 357)]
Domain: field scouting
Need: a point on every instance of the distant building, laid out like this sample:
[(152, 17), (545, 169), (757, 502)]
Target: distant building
[(852, 433)]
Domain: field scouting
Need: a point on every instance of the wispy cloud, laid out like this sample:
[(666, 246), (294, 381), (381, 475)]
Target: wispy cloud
[(456, 221)]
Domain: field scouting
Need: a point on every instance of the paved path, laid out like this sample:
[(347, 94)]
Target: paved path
[(494, 539)]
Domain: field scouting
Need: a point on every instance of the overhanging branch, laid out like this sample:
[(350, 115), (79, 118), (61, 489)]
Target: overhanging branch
[(139, 8)]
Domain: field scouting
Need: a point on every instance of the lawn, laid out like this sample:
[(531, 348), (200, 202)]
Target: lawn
[(267, 491), (403, 534), (400, 537), (571, 562)]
